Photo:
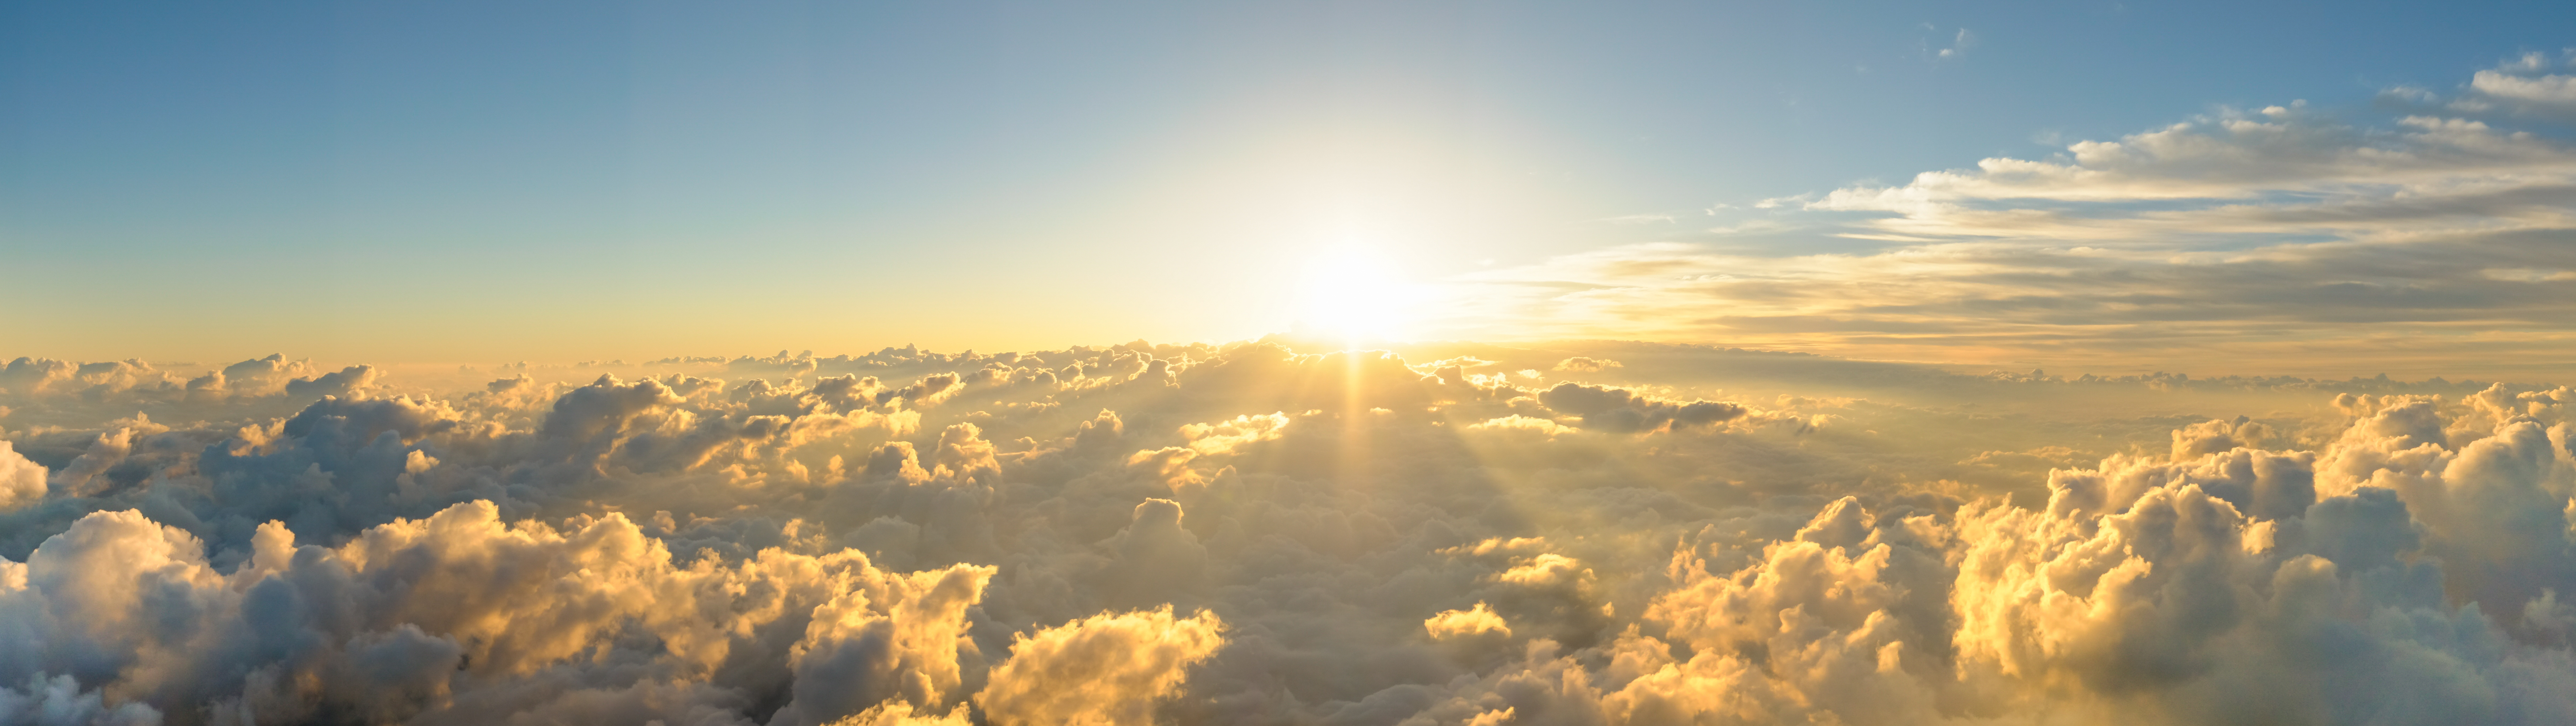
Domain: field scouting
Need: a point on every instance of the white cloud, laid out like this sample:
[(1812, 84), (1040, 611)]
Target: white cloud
[(1959, 45), (22, 482), (2420, 241), (1106, 670), (1257, 534)]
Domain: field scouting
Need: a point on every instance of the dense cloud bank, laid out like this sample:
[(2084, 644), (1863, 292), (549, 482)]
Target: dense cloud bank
[(1581, 534)]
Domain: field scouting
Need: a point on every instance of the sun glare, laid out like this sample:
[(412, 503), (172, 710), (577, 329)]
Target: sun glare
[(1354, 294)]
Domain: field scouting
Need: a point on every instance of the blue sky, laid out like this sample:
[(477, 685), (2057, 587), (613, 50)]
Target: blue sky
[(573, 180)]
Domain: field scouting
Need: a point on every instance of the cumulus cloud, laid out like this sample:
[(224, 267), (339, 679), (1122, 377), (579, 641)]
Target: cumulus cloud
[(58, 701), (1105, 670), (1253, 533), (1478, 621), (22, 482)]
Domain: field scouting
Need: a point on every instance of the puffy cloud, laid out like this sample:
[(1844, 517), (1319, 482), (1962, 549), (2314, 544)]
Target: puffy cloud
[(395, 622), (58, 701), (904, 644), (22, 482), (898, 713), (2533, 85), (108, 450), (1253, 534), (1105, 670), (1474, 622), (1183, 467), (335, 383)]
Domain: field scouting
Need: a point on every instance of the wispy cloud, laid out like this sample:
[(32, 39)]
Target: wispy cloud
[(1959, 45), (2277, 234), (1650, 218)]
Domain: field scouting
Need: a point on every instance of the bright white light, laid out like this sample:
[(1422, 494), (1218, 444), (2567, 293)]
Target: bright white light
[(1355, 294)]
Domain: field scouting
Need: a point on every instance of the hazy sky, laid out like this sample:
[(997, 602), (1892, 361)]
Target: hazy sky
[(412, 362), (470, 182)]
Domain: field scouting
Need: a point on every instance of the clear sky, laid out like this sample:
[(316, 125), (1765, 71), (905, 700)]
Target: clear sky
[(457, 182)]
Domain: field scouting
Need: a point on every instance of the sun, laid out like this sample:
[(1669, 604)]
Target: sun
[(1354, 294)]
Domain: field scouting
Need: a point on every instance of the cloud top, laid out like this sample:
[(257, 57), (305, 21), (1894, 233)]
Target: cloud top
[(1205, 534)]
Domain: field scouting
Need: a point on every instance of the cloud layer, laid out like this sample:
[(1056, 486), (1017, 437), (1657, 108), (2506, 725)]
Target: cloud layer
[(1586, 533)]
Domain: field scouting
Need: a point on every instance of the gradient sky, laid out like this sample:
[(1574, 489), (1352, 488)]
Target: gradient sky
[(483, 181)]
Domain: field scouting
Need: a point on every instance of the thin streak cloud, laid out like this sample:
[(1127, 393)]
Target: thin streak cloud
[(2280, 238)]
